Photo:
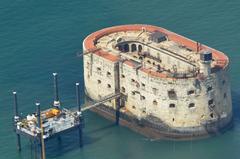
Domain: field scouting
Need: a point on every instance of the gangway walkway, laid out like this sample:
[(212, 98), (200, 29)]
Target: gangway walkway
[(93, 104)]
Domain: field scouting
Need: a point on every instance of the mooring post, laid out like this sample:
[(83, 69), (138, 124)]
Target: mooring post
[(117, 91), (56, 102), (16, 119), (80, 114), (42, 145), (35, 144)]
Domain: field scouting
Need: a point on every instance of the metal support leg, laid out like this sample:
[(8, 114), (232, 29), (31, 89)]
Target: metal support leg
[(18, 142), (16, 118), (41, 139), (79, 111), (35, 144), (117, 110), (59, 139), (56, 102), (80, 135)]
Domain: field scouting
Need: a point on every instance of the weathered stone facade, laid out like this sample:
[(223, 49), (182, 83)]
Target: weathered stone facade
[(171, 83)]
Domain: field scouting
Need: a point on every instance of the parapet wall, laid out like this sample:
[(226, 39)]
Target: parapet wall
[(89, 42)]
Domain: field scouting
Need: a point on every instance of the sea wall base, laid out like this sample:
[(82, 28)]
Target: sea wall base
[(155, 129)]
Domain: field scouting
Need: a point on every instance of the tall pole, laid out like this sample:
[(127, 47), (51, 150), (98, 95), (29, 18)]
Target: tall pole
[(56, 102), (78, 96), (42, 145), (16, 119), (80, 115)]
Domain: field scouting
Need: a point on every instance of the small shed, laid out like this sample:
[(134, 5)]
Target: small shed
[(157, 37)]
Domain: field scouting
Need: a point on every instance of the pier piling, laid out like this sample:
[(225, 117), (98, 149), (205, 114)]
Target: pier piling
[(42, 145), (16, 118), (56, 102), (80, 111)]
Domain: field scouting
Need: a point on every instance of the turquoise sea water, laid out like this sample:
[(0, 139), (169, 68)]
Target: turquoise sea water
[(41, 37)]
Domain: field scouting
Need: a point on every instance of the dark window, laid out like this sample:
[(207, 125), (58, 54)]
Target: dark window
[(123, 90), (211, 115), (108, 74), (172, 94), (209, 88), (191, 105), (225, 95), (133, 80), (210, 102), (98, 68), (155, 102), (134, 47), (171, 105), (133, 93), (123, 76), (133, 107), (109, 86), (126, 48), (142, 97), (190, 92), (148, 61), (99, 81), (144, 111), (158, 68), (139, 48)]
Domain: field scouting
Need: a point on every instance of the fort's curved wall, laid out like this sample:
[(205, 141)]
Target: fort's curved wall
[(183, 104)]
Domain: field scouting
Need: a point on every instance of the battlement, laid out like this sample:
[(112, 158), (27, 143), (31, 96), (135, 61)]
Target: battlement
[(164, 52)]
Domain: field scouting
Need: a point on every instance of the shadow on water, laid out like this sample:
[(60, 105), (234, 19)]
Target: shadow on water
[(236, 105), (101, 129), (236, 108), (69, 141)]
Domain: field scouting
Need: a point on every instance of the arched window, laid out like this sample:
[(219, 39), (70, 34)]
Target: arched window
[(171, 105), (126, 48), (139, 48), (133, 47)]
